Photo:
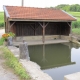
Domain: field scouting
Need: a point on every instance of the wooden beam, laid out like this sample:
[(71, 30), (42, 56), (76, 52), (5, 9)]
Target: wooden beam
[(11, 19), (34, 28), (43, 26), (40, 24), (70, 27), (11, 25), (47, 24), (8, 26)]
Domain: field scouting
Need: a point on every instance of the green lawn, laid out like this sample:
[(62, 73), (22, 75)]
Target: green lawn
[(76, 30), (76, 15), (1, 19)]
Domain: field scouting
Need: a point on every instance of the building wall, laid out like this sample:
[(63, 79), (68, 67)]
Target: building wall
[(36, 38), (35, 29)]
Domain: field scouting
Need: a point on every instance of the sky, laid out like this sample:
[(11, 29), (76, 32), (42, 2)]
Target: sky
[(37, 3)]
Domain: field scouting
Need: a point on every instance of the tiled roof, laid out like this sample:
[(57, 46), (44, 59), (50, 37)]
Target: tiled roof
[(31, 13)]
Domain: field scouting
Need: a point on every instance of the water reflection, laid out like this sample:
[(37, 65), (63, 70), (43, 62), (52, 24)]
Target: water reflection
[(57, 60), (44, 55), (51, 56)]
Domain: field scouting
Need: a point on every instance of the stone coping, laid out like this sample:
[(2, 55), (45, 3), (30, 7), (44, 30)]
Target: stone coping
[(74, 76)]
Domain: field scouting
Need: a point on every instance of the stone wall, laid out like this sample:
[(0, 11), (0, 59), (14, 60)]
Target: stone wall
[(31, 38)]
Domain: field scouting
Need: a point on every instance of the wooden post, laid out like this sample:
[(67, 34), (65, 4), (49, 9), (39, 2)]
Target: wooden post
[(43, 26), (8, 26), (70, 28), (43, 32)]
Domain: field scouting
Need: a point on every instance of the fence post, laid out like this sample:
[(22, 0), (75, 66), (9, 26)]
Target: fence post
[(24, 53)]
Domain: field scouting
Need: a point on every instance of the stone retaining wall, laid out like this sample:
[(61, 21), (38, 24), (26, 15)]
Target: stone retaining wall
[(31, 38)]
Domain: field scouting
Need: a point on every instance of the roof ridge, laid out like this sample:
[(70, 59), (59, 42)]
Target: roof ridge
[(32, 7)]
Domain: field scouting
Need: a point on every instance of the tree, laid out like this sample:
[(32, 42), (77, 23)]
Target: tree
[(66, 7)]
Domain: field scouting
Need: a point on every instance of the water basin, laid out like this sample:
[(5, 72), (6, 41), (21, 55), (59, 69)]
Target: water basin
[(56, 60)]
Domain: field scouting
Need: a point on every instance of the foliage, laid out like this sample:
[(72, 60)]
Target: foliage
[(1, 41), (1, 19), (14, 63), (2, 24), (75, 7), (6, 35), (76, 24), (66, 7), (76, 30)]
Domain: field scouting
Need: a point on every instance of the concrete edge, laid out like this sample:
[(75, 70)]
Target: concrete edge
[(73, 76)]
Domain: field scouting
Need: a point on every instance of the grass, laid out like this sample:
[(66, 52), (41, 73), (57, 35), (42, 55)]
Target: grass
[(76, 15), (78, 19), (1, 41), (76, 31), (13, 62), (76, 23), (1, 19)]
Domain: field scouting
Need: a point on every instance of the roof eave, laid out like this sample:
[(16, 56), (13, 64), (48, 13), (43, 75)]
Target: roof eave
[(69, 15), (6, 12), (38, 20)]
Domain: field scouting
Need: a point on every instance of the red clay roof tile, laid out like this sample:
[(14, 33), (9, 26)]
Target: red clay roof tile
[(31, 13)]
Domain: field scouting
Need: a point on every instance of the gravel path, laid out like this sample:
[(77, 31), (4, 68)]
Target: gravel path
[(2, 31)]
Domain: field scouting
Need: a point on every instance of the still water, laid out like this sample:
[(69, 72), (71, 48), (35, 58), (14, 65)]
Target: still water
[(56, 60)]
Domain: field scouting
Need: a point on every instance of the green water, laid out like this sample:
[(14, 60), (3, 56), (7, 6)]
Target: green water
[(56, 60)]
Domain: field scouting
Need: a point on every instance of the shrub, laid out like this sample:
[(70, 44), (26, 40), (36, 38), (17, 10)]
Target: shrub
[(6, 35), (76, 24), (1, 24), (76, 30)]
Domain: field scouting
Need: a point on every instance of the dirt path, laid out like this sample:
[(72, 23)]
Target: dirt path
[(2, 31), (6, 73)]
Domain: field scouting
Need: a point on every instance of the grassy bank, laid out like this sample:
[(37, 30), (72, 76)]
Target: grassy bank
[(76, 15), (13, 62), (76, 31), (1, 41), (1, 19), (76, 24)]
